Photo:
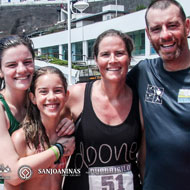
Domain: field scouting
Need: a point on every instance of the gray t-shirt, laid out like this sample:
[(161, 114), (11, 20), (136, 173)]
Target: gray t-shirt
[(165, 100)]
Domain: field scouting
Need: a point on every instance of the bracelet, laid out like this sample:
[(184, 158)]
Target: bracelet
[(61, 152), (61, 148), (55, 152)]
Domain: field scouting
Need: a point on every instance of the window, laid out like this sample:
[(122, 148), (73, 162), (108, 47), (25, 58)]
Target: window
[(90, 44), (65, 52), (76, 51), (51, 51), (139, 42), (77, 54)]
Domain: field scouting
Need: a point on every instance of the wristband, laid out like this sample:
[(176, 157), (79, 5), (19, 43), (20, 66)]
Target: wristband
[(61, 152), (61, 148), (55, 152)]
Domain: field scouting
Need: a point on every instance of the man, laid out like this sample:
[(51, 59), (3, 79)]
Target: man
[(163, 85)]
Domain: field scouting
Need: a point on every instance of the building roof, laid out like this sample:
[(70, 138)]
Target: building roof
[(97, 15)]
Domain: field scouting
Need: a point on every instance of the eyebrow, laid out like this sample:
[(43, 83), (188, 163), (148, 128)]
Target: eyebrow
[(174, 22), (6, 63), (27, 59), (42, 88), (30, 58)]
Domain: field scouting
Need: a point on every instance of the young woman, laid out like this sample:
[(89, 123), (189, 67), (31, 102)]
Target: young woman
[(109, 133), (48, 94), (16, 71)]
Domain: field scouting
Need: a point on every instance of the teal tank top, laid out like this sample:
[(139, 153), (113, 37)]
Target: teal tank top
[(14, 124)]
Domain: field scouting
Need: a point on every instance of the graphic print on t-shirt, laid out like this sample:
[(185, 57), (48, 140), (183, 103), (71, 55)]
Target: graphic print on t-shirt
[(154, 94)]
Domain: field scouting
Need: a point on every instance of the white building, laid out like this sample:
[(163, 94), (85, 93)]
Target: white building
[(83, 36), (20, 2)]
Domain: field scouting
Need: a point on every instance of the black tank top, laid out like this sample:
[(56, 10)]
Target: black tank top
[(105, 155)]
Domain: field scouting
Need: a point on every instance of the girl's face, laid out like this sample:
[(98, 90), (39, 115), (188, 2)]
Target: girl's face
[(112, 59), (50, 96), (17, 67)]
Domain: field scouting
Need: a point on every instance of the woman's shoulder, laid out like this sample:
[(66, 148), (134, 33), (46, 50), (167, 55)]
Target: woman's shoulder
[(77, 88), (18, 137), (19, 141), (76, 93), (75, 101)]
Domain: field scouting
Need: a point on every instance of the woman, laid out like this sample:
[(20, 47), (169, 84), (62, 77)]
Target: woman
[(109, 132), (16, 71)]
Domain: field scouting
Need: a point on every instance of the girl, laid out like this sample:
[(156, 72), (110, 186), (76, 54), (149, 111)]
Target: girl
[(48, 94), (16, 71)]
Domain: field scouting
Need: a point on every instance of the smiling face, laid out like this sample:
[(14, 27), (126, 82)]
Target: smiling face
[(17, 67), (112, 58), (168, 32), (50, 96)]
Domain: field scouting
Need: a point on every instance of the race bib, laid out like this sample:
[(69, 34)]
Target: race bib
[(111, 178)]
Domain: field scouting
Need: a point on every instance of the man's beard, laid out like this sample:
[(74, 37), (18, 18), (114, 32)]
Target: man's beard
[(170, 56)]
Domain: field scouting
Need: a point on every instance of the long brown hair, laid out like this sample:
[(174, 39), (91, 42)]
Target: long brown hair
[(35, 132)]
